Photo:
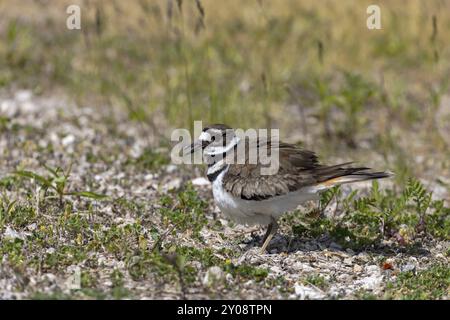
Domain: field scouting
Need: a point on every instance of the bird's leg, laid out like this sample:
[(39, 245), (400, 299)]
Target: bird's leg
[(271, 231)]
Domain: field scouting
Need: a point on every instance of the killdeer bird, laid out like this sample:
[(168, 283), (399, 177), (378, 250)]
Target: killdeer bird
[(249, 197)]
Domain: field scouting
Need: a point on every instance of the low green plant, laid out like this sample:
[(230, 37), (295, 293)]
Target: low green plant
[(352, 99), (184, 212), (8, 182), (6, 207), (366, 220), (317, 280), (432, 283), (118, 290), (57, 180), (247, 272), (14, 250), (16, 214)]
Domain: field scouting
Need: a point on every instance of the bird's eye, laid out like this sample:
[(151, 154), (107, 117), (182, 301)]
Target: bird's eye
[(213, 138)]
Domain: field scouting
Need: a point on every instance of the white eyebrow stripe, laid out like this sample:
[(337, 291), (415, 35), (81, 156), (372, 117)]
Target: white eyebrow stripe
[(204, 136), (221, 150)]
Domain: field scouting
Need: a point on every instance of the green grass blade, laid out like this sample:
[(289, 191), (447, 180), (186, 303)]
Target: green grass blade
[(88, 194), (40, 179)]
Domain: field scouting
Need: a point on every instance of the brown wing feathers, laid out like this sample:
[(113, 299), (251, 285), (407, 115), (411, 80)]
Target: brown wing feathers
[(298, 168), (346, 175)]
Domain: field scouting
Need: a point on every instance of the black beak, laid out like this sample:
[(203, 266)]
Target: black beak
[(195, 146)]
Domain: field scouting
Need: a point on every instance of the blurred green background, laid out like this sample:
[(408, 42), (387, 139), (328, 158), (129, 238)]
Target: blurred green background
[(311, 68)]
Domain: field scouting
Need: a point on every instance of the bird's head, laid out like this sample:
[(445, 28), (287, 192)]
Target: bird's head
[(214, 140)]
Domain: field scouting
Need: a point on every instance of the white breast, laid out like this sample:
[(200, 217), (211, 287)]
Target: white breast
[(258, 212)]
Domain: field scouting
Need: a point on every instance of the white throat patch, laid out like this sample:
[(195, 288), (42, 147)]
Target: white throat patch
[(216, 167)]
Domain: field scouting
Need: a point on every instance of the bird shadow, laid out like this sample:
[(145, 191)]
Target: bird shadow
[(282, 243)]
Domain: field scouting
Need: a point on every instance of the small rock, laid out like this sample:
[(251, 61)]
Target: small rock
[(439, 192), (350, 251), (348, 261), (213, 276), (32, 226), (357, 268), (304, 292), (171, 168), (276, 270), (343, 277), (68, 140), (413, 259), (172, 184), (8, 108), (28, 107), (12, 234), (149, 176), (23, 95), (408, 267), (304, 267), (440, 256), (370, 283), (49, 276), (372, 269), (249, 283), (200, 182)]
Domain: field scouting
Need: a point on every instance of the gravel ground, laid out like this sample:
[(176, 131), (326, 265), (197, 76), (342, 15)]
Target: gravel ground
[(54, 131)]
